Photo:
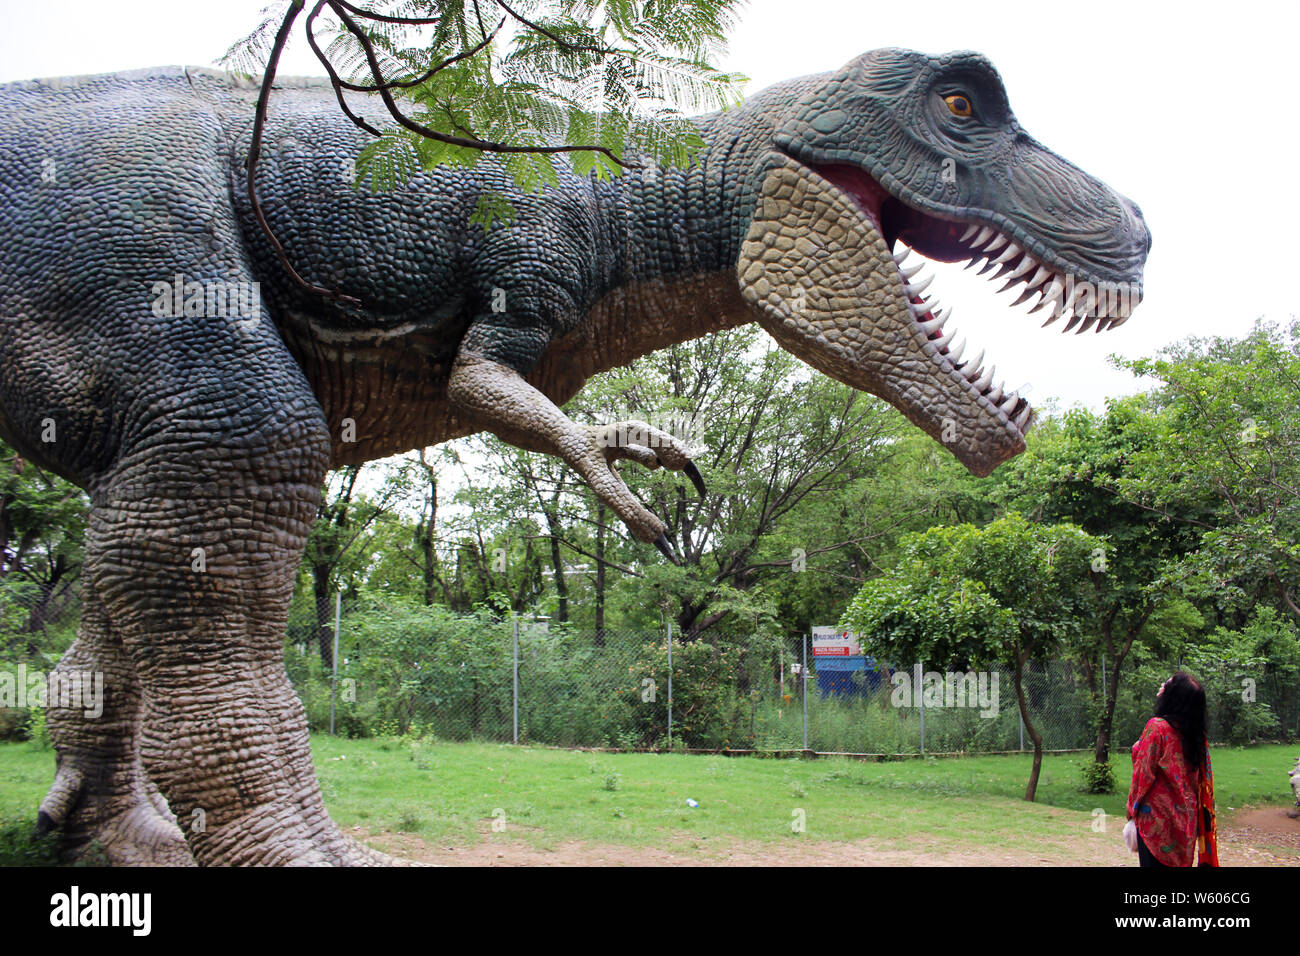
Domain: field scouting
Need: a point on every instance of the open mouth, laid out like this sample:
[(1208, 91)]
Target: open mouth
[(1082, 304)]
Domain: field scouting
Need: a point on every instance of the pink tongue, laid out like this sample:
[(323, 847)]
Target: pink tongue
[(866, 192)]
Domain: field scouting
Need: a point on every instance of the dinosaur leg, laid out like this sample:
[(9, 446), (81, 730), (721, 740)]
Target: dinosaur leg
[(193, 553), (497, 398), (101, 794)]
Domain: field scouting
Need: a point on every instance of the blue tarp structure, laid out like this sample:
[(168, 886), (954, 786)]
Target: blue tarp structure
[(849, 676)]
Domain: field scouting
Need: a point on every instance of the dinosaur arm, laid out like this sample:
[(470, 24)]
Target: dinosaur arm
[(496, 398)]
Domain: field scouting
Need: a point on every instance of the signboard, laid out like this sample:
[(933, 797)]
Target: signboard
[(831, 642)]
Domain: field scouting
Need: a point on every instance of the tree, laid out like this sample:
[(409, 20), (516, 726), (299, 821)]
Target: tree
[(1225, 442), (1005, 594), (592, 81), (1070, 473), (42, 522), (341, 521), (773, 444)]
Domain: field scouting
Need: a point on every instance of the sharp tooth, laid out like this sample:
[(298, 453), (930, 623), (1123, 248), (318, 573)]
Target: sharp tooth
[(901, 257), (1042, 274), (940, 319), (990, 265), (954, 353), (1010, 283), (1103, 324), (941, 344), (995, 396), (1087, 324), (1080, 294), (1045, 301), (1006, 267), (1115, 323), (1074, 320), (996, 244), (931, 306), (974, 365), (1026, 264), (970, 231), (1025, 297), (911, 270), (1010, 253), (985, 234), (1009, 403), (920, 287), (986, 379), (1022, 420)]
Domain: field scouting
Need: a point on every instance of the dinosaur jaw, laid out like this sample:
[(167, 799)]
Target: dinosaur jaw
[(936, 239), (1066, 291), (822, 280)]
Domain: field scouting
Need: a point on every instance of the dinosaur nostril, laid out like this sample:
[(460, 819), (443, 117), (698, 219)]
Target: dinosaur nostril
[(1141, 233)]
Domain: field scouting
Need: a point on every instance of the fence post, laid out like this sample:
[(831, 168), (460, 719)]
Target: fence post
[(334, 677), (514, 694), (918, 689), (668, 630), (803, 674)]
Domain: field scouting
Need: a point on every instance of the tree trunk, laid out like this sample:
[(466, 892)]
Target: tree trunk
[(557, 564), (427, 534), (600, 575), (1102, 751), (321, 590), (430, 567), (1034, 735)]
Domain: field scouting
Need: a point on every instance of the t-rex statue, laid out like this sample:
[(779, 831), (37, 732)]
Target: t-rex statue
[(154, 351)]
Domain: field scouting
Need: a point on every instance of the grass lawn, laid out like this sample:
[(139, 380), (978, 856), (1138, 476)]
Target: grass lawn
[(446, 795)]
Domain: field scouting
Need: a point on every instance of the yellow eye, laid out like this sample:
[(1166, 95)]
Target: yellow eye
[(958, 105)]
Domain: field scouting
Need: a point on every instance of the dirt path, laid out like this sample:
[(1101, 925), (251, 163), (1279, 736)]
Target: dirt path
[(1250, 837)]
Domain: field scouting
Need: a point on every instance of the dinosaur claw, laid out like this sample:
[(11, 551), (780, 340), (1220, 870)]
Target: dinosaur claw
[(697, 479), (666, 549)]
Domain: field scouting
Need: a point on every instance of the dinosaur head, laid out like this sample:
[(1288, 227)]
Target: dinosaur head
[(899, 149)]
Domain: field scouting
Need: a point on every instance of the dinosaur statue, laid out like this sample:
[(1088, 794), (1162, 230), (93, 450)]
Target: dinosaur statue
[(154, 351)]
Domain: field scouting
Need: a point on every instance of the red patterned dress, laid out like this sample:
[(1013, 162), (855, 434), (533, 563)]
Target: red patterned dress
[(1166, 795)]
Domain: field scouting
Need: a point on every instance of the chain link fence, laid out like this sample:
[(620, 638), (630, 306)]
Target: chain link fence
[(479, 679)]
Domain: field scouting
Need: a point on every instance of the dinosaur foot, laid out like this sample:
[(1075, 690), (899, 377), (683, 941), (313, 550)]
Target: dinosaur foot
[(649, 447), (119, 825)]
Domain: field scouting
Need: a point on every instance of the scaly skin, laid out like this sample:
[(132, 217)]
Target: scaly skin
[(202, 435)]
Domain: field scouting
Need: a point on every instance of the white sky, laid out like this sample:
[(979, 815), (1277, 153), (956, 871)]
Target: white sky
[(1186, 109)]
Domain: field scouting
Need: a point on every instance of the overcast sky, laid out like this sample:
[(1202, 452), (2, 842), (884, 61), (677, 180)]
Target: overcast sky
[(1187, 109)]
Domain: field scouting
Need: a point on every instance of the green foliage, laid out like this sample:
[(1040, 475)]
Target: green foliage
[(710, 708), (1098, 777), (38, 732), (620, 76), (1224, 451), (42, 525), (1233, 665), (965, 596), (20, 846)]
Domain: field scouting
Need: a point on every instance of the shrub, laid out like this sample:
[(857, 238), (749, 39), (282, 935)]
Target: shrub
[(1098, 777)]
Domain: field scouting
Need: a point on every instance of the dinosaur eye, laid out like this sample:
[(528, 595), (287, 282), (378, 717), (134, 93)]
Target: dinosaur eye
[(958, 104)]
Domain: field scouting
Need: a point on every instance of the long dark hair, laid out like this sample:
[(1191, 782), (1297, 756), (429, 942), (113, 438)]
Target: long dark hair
[(1183, 705)]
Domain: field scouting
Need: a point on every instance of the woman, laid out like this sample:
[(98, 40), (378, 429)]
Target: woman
[(1171, 798)]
